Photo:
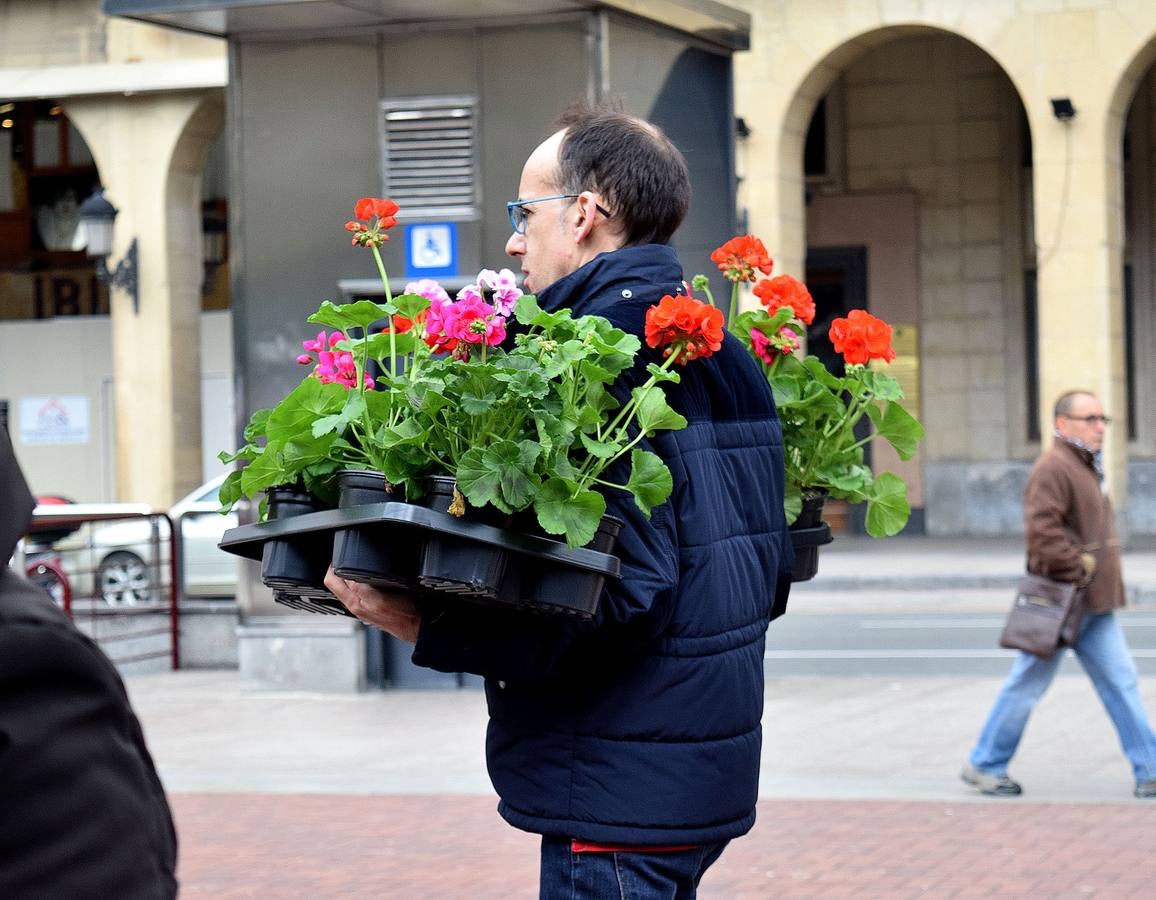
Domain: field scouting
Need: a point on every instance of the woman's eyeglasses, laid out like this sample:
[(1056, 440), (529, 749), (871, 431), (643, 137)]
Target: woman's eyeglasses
[(516, 209)]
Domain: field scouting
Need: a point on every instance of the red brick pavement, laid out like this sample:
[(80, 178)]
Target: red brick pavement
[(439, 847)]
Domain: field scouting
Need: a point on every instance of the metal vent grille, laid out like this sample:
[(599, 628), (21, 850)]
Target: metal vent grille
[(429, 157)]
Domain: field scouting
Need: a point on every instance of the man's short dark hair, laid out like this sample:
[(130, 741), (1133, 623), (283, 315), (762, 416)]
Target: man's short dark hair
[(641, 175), (1064, 402)]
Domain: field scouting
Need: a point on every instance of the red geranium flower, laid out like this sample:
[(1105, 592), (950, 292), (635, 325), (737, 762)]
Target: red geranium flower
[(739, 257), (368, 208), (685, 326), (861, 337), (786, 290)]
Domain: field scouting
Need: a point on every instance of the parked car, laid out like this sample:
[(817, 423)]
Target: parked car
[(130, 568), (125, 561)]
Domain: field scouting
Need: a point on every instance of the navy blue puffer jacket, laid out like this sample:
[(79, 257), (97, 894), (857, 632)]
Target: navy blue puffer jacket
[(643, 727)]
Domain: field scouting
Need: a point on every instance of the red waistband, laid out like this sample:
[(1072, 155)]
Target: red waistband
[(577, 846)]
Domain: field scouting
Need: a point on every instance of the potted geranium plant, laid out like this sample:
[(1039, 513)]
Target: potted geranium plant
[(510, 406), (818, 409)]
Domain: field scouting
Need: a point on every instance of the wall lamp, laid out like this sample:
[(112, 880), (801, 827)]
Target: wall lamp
[(1062, 109), (97, 216)]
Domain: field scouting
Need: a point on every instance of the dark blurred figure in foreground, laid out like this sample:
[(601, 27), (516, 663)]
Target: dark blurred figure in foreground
[(82, 812)]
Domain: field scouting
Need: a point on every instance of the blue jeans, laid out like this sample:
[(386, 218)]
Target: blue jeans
[(1104, 655), (673, 875)]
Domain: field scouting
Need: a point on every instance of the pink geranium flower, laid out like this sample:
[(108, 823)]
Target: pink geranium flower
[(474, 321), (504, 288), (761, 345), (428, 288)]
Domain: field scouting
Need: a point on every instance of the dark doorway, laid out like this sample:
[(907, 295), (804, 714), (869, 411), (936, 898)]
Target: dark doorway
[(837, 280)]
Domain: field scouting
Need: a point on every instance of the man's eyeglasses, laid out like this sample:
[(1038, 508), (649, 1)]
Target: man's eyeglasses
[(1091, 420), (517, 211)]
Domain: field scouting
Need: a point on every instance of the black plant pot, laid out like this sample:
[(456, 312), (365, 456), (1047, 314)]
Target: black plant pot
[(458, 565), (299, 562), (543, 586), (384, 557), (808, 533)]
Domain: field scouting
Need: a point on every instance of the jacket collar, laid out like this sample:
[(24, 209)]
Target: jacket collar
[(1092, 460), (645, 264)]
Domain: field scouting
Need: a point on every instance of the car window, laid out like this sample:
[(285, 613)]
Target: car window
[(210, 495)]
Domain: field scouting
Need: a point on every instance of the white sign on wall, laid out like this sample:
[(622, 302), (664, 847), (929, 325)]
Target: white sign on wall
[(54, 420)]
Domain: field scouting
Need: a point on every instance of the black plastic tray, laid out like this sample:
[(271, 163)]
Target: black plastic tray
[(249, 540), (529, 553)]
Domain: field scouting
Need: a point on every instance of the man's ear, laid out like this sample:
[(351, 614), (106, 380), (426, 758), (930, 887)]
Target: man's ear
[(585, 203)]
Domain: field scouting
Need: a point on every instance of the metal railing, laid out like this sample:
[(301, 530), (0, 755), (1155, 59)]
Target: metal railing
[(114, 570)]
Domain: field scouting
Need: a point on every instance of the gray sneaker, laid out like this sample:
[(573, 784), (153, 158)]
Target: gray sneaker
[(1145, 788), (1000, 785)]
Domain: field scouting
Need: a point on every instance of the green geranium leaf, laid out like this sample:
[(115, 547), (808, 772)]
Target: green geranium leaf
[(295, 414), (525, 383), (307, 451), (338, 422), (477, 404), (501, 475), (660, 374), (266, 471), (248, 452), (898, 427), (600, 449), (359, 314), (526, 310), (411, 305), (792, 502), (377, 346), (564, 509), (882, 385), (480, 482), (887, 506), (230, 491), (256, 426), (654, 413), (650, 481)]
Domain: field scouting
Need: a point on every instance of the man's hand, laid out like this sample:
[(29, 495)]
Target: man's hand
[(394, 613)]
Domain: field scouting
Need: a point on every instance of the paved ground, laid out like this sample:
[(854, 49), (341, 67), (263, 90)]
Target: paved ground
[(453, 846), (385, 794)]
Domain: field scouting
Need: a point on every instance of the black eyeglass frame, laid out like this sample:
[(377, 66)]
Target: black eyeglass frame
[(515, 209), (1088, 420)]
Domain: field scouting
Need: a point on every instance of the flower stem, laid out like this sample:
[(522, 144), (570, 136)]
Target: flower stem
[(734, 304), (389, 302)]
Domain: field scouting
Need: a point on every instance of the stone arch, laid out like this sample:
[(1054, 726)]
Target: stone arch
[(805, 96), (1131, 230), (150, 150)]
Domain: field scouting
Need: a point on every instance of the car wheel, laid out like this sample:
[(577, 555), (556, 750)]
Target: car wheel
[(123, 579)]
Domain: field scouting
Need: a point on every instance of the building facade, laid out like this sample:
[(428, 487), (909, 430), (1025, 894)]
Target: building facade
[(104, 395), (980, 174)]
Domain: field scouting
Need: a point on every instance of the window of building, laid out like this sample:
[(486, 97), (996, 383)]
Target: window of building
[(46, 172)]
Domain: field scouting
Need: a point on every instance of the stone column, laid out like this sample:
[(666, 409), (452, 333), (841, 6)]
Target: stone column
[(1078, 193), (150, 150)]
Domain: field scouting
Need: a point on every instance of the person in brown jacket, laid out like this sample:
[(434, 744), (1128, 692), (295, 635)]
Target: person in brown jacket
[(1071, 536)]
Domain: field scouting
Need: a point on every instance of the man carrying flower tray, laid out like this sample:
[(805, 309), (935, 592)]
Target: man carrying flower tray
[(631, 742)]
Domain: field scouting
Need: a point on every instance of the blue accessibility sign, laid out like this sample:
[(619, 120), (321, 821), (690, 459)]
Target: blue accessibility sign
[(431, 250)]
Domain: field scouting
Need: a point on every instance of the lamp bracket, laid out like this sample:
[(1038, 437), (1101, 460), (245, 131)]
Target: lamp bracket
[(124, 276)]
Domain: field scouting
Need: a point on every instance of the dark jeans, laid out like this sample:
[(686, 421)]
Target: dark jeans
[(673, 875)]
